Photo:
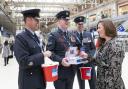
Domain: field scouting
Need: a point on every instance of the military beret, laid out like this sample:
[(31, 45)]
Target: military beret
[(79, 19), (31, 13), (63, 14)]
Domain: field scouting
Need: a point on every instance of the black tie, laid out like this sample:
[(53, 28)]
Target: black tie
[(66, 35), (81, 37), (36, 38)]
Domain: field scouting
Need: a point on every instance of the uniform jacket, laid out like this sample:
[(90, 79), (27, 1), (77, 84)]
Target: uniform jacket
[(29, 57), (59, 45), (109, 58), (87, 43)]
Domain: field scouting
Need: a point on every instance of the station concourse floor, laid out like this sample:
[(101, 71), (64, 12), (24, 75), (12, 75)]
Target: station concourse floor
[(9, 75)]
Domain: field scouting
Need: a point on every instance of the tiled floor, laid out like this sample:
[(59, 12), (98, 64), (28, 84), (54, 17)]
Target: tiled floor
[(8, 75)]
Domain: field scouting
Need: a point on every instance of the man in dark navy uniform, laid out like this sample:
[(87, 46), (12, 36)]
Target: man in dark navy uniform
[(59, 42), (86, 45), (29, 54)]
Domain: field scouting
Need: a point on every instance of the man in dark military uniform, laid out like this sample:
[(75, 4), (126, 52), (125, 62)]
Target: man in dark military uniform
[(86, 44), (29, 54), (59, 42)]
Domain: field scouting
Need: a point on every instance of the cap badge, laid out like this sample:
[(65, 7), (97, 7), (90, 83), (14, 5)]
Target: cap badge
[(66, 13)]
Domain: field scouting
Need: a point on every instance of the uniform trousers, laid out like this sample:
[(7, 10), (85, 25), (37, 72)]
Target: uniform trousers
[(64, 83)]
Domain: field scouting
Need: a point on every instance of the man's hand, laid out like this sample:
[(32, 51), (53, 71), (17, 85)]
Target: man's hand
[(83, 54), (65, 62), (47, 53)]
